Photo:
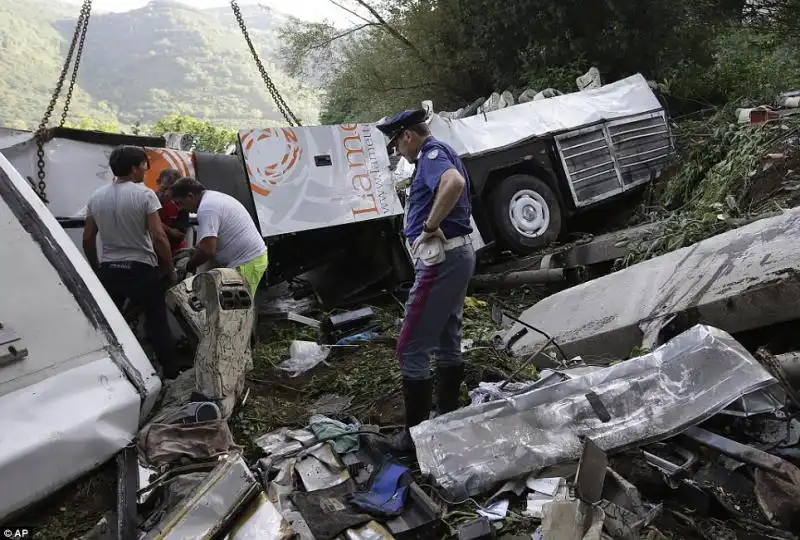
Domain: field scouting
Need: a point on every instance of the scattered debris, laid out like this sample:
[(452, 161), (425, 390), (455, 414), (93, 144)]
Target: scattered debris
[(650, 397), (330, 404), (739, 280), (304, 356), (548, 427)]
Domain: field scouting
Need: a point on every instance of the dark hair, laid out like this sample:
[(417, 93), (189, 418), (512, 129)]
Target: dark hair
[(169, 175), (124, 158), (186, 186), (420, 129)]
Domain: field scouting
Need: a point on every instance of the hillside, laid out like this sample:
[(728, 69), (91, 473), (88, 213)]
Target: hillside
[(144, 64)]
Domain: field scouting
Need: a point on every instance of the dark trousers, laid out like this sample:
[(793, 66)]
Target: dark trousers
[(141, 284), (432, 324)]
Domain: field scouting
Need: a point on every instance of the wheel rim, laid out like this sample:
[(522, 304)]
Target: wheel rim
[(529, 213)]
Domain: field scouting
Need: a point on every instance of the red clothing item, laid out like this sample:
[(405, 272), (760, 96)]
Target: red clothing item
[(175, 218)]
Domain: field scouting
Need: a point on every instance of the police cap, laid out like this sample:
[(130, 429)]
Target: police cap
[(401, 121)]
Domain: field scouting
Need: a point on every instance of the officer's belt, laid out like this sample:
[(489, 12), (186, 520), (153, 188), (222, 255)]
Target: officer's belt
[(457, 242)]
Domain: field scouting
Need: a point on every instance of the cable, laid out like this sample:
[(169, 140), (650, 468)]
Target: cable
[(506, 312)]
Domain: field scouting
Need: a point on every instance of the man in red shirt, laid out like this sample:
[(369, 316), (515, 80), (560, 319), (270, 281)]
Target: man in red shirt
[(174, 219)]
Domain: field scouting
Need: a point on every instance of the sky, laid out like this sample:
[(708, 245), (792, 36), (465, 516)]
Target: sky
[(310, 10)]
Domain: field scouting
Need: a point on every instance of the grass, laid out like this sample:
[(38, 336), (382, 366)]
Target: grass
[(723, 176), (367, 374), (74, 510)]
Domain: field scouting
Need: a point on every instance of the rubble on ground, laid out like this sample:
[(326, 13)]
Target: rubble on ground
[(637, 415), (697, 439)]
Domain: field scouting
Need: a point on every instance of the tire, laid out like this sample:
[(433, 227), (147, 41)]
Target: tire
[(541, 223)]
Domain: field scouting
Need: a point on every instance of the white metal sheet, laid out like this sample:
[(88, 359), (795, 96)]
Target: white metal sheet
[(306, 178), (69, 405), (511, 125), (75, 169), (53, 432)]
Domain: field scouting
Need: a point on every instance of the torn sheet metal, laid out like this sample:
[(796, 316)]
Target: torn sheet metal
[(280, 492), (739, 280), (261, 521), (223, 355), (491, 391), (572, 520), (497, 511), (284, 443), (537, 499), (649, 398), (765, 401), (205, 513), (371, 531), (497, 129), (321, 469), (626, 513)]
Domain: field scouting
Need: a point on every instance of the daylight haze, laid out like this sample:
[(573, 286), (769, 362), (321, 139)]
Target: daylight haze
[(310, 10)]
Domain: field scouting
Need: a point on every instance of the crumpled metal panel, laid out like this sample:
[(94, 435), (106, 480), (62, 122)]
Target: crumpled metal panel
[(649, 398), (208, 509), (218, 308), (262, 521), (739, 280)]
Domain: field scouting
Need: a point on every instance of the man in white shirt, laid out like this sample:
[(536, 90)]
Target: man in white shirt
[(226, 234)]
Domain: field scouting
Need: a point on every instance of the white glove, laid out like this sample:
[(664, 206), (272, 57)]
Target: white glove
[(426, 237), (429, 248)]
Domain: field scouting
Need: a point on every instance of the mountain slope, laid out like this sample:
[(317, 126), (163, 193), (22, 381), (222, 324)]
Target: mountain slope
[(147, 63)]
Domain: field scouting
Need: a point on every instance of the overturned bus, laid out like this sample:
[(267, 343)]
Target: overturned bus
[(325, 197)]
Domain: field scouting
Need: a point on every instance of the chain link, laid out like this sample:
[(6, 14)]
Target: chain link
[(85, 12), (41, 132), (281, 104)]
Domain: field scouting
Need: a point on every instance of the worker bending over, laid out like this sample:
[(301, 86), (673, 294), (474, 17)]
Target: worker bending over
[(437, 227), (226, 234), (126, 215)]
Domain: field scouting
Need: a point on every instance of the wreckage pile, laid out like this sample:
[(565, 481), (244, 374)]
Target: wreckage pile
[(697, 438), (648, 418)]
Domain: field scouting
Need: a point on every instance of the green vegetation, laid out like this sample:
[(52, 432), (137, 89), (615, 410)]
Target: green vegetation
[(141, 66), (704, 53), (208, 138), (724, 178)]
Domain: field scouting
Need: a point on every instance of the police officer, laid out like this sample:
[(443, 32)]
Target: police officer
[(437, 228)]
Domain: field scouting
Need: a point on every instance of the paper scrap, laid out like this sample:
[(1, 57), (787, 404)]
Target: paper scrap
[(547, 486), (536, 501), (496, 511), (535, 507)]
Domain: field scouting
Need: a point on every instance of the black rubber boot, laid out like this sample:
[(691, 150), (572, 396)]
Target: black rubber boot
[(417, 397), (448, 388)]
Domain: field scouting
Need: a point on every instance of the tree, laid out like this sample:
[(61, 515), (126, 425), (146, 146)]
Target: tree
[(92, 124), (453, 51), (399, 53), (207, 138)]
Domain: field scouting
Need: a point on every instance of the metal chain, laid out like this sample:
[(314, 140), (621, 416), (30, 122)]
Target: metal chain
[(41, 132), (282, 106), (85, 13)]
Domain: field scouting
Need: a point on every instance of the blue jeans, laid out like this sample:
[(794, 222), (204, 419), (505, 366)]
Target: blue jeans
[(432, 323)]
